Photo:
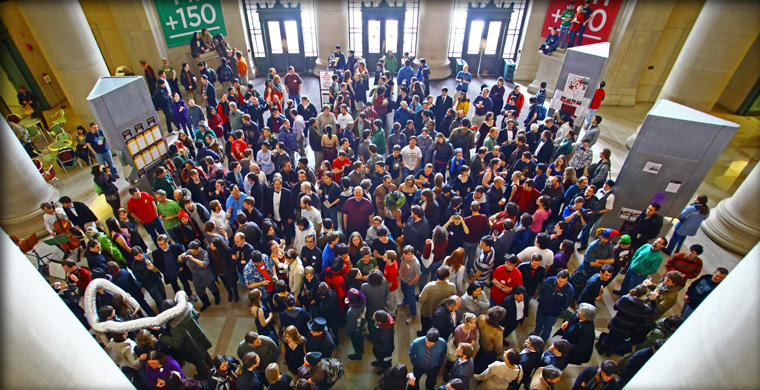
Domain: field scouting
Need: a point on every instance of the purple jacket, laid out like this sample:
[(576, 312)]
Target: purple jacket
[(152, 375), (180, 117)]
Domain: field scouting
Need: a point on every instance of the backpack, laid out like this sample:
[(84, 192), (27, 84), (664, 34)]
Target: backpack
[(334, 370), (541, 113), (211, 74), (515, 384)]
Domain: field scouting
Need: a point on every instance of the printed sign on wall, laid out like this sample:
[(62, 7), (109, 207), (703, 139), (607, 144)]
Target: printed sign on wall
[(181, 18), (598, 28)]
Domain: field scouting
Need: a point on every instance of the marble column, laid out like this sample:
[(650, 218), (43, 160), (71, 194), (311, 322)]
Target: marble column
[(332, 29), (65, 38), (527, 64), (20, 198), (46, 335), (717, 44), (728, 316), (433, 38), (721, 37), (733, 224)]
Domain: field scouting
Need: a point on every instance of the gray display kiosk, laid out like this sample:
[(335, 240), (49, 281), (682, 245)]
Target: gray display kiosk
[(673, 153), (579, 76), (125, 114)]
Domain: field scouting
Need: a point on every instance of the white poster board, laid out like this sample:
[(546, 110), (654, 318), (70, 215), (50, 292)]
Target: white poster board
[(575, 89)]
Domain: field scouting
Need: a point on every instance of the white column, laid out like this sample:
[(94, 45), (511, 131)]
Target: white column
[(20, 198), (527, 64), (716, 45), (332, 29), (733, 224), (433, 36), (61, 30), (44, 345), (716, 347)]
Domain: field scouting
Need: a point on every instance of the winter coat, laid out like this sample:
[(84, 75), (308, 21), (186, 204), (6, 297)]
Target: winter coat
[(629, 317), (187, 336), (581, 337)]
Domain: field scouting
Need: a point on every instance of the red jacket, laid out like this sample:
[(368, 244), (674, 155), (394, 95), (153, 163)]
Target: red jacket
[(526, 200), (519, 100), (84, 278)]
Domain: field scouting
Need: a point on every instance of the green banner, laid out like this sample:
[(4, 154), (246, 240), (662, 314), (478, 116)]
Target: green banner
[(181, 18)]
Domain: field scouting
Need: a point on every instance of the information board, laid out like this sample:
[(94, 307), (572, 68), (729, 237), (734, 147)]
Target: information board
[(181, 18)]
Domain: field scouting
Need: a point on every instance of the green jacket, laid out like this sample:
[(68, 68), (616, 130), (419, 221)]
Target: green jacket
[(645, 261), (379, 139), (201, 135), (565, 148), (109, 248), (391, 64), (567, 13), (187, 336), (165, 183)]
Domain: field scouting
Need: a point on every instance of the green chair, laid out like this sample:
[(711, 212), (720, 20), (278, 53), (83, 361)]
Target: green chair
[(63, 136), (35, 131), (55, 129), (61, 117)]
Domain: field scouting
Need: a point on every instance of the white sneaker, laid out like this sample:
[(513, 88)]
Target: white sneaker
[(410, 319)]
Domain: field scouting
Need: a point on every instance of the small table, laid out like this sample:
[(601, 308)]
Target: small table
[(59, 145), (30, 121)]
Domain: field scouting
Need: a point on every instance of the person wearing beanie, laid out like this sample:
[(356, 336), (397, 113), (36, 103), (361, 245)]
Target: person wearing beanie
[(579, 332), (622, 254), (382, 340), (186, 230), (312, 370)]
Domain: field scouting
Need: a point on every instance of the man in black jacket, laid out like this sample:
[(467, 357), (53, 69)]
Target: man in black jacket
[(444, 318), (148, 275), (197, 212), (166, 259), (279, 207), (579, 332), (646, 227), (517, 308), (533, 275), (530, 357), (162, 101), (597, 377), (443, 103), (77, 212)]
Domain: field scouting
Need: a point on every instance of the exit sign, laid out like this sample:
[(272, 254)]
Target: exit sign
[(181, 18)]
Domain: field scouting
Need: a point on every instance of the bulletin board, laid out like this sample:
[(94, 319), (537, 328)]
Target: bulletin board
[(146, 144)]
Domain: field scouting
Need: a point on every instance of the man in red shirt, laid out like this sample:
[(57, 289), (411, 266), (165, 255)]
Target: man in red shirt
[(239, 145), (689, 264), (76, 275), (596, 101), (391, 275), (526, 197), (339, 164), (505, 277), (142, 207)]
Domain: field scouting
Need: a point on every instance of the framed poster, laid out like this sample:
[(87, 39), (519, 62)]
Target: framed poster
[(127, 134), (138, 128), (151, 121), (179, 19), (575, 89)]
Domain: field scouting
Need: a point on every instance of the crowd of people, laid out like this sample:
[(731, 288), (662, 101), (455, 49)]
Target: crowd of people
[(456, 219)]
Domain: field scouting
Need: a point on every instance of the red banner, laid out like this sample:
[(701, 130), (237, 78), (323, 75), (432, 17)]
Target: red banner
[(598, 28)]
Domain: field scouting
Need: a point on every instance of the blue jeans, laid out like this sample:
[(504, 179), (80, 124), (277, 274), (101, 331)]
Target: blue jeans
[(631, 280), (586, 230), (154, 228), (409, 298), (173, 236), (675, 243), (564, 32), (158, 293), (428, 274), (686, 312), (591, 113), (470, 250), (106, 160), (544, 325), (580, 31), (571, 42), (406, 172), (295, 98)]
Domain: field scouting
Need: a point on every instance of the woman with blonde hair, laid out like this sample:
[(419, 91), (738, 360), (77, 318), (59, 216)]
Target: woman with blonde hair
[(455, 261), (276, 380), (293, 349)]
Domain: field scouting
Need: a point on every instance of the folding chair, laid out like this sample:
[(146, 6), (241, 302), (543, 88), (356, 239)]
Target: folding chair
[(63, 136), (27, 247), (35, 131), (49, 176), (67, 156), (61, 117), (55, 130)]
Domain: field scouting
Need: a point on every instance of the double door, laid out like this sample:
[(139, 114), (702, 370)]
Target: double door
[(382, 30), (485, 36)]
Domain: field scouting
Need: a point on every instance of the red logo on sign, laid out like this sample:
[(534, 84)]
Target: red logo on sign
[(599, 26)]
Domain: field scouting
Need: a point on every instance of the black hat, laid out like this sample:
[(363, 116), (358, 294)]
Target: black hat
[(318, 325), (313, 358)]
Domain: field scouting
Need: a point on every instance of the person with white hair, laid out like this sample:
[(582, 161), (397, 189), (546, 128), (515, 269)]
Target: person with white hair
[(579, 332)]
